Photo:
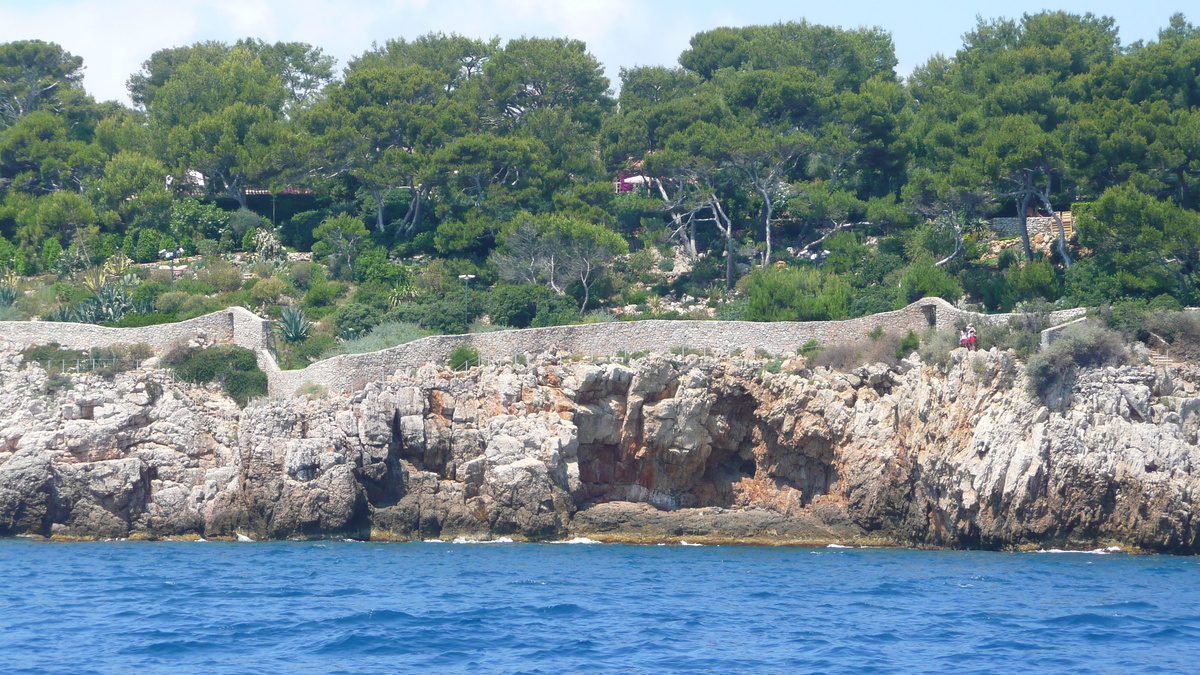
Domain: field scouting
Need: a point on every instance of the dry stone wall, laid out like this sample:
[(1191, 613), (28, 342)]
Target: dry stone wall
[(235, 325), (349, 372), (352, 371), (1038, 226)]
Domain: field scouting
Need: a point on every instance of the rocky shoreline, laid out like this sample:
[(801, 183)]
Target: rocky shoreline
[(658, 449)]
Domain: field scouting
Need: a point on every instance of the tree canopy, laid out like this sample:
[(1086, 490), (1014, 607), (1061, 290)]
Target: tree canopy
[(778, 171)]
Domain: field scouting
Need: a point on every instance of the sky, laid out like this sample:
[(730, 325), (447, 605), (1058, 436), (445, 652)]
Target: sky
[(114, 37)]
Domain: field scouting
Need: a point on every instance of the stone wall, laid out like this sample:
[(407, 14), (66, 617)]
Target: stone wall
[(1045, 227), (235, 325), (352, 371), (349, 372)]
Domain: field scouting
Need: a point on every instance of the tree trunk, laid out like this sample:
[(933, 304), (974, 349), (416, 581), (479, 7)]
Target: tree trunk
[(958, 244), (1062, 233), (233, 188), (419, 198), (726, 226), (586, 296), (767, 213), (377, 195), (1023, 210)]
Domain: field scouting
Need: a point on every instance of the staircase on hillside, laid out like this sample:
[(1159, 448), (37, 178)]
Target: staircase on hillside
[(1068, 221), (1160, 356)]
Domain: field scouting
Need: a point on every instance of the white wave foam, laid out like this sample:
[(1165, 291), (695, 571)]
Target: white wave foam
[(1095, 551), (500, 540), (837, 546), (577, 540), (688, 543), (434, 541), (243, 538)]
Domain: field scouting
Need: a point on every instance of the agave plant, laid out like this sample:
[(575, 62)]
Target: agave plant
[(402, 293), (61, 313), (93, 279), (144, 307), (118, 265), (294, 326), (8, 295), (111, 304)]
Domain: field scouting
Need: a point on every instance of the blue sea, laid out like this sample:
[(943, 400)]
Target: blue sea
[(352, 607)]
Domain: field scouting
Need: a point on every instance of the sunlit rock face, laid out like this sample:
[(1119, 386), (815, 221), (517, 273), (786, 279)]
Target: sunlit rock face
[(656, 448)]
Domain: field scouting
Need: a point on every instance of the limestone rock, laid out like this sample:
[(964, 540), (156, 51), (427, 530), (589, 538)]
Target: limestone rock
[(661, 448)]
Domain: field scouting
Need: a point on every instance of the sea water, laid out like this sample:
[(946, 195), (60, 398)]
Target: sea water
[(352, 607)]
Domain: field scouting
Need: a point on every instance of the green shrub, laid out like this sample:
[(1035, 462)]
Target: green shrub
[(193, 287), (383, 336), (846, 356), (989, 287), (304, 273), (374, 294), (923, 279), (979, 366), (1165, 303), (872, 300), (323, 293), (300, 354), (220, 274), (56, 382), (463, 357), (312, 390), (1036, 279), (171, 302), (352, 320), (516, 305), (907, 345), (936, 347), (1085, 345), (808, 349), (444, 315), (795, 294), (149, 292), (1180, 330), (558, 310), (268, 291), (233, 366), (105, 361)]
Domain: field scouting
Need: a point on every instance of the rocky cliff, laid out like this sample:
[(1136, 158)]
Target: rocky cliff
[(661, 448)]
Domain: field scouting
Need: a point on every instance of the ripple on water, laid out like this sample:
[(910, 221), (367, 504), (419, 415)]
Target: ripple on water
[(360, 607)]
